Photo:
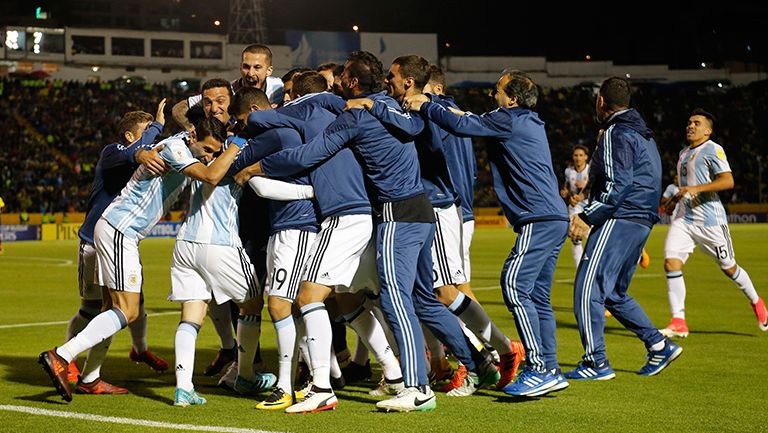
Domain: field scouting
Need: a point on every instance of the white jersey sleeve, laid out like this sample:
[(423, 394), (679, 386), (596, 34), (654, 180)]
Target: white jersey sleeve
[(671, 190), (178, 156)]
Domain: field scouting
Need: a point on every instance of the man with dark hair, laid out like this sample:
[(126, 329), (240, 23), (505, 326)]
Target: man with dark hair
[(306, 83), (288, 82), (137, 131), (332, 74), (407, 77), (404, 231), (128, 220), (255, 71), (699, 219), (527, 189), (334, 261), (624, 200)]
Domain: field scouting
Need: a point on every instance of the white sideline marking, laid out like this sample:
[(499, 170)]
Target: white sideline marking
[(566, 281), (27, 325), (129, 421), (54, 262)]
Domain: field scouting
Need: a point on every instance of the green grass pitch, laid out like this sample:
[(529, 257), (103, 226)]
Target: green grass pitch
[(719, 384)]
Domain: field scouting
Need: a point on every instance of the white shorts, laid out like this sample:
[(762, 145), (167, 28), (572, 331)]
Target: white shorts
[(86, 273), (335, 254), (366, 278), (447, 253), (118, 266), (715, 241), (200, 272), (467, 231), (287, 252)]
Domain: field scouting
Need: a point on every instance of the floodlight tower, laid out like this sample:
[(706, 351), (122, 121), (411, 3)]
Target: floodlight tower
[(246, 22)]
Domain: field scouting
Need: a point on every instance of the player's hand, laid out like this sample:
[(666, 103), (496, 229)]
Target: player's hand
[(414, 102), (152, 161), (243, 176), (579, 229), (160, 117), (366, 103), (686, 192), (564, 192)]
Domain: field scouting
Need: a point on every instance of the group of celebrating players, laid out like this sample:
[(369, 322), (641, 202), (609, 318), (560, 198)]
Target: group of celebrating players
[(346, 195)]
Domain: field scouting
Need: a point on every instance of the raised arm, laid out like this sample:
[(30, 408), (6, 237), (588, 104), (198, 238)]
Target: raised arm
[(467, 125)]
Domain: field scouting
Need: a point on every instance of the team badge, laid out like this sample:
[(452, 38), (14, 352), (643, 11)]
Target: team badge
[(133, 279), (720, 154)]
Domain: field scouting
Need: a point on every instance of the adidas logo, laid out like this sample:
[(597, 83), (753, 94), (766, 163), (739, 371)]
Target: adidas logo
[(240, 349), (179, 367), (325, 275)]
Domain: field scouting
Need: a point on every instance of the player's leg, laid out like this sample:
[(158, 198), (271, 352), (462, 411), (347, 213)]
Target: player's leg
[(541, 298), (371, 333), (139, 350), (595, 276), (661, 351), (716, 242), (221, 318), (678, 246), (524, 266), (90, 299), (399, 246), (192, 315)]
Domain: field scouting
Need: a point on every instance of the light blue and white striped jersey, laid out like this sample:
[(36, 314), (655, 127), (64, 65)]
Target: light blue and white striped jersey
[(698, 166), (212, 217), (577, 183), (146, 198)]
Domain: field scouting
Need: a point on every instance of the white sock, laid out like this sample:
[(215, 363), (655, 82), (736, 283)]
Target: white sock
[(577, 249), (80, 320), (221, 317), (285, 330), (376, 310), (370, 332), (335, 367), (248, 333), (479, 323), (99, 329), (676, 293), (318, 328), (301, 341), (741, 278), (658, 346), (184, 346), (139, 331), (362, 355), (94, 361)]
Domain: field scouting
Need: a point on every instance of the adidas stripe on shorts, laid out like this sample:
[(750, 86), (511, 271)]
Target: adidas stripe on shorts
[(287, 252), (714, 241), (447, 254), (118, 266)]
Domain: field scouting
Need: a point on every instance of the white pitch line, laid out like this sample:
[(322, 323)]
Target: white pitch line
[(128, 421), (55, 262), (28, 325)]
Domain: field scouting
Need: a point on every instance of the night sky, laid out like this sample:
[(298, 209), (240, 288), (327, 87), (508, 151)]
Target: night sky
[(681, 34)]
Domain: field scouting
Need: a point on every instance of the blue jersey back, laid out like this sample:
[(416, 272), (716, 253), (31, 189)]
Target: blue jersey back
[(338, 182), (390, 164), (521, 162), (462, 166), (284, 215)]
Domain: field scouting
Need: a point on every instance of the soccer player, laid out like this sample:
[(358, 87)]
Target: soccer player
[(130, 218), (626, 173), (334, 258), (255, 71), (407, 77), (404, 231), (575, 191), (137, 132), (700, 220), (332, 73), (527, 189)]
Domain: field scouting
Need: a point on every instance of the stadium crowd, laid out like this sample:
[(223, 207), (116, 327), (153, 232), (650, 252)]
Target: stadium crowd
[(55, 131)]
